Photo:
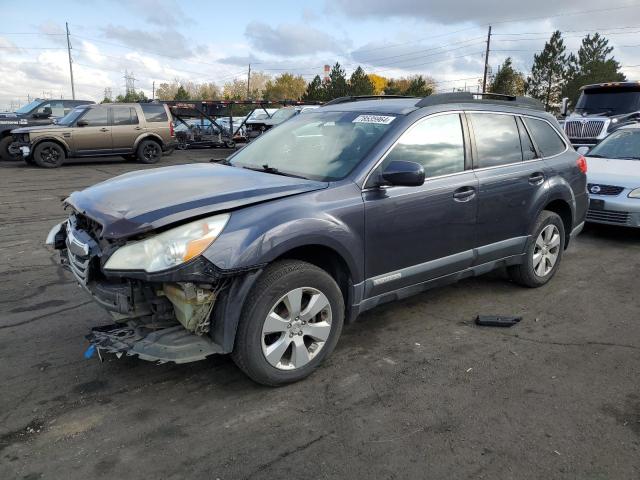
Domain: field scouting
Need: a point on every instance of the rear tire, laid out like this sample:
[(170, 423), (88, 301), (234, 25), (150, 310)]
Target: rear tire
[(49, 155), (149, 152), (543, 252), (290, 323), (4, 150)]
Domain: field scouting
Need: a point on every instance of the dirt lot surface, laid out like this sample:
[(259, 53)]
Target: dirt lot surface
[(413, 390)]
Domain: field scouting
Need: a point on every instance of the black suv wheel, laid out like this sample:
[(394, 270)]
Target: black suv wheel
[(49, 155), (543, 252), (149, 151), (291, 321), (4, 149)]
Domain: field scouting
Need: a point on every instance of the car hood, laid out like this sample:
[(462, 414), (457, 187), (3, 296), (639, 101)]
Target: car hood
[(609, 171), (141, 201), (39, 128)]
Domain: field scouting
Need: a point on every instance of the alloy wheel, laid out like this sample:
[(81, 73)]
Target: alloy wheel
[(50, 155), (151, 151), (546, 250), (296, 328)]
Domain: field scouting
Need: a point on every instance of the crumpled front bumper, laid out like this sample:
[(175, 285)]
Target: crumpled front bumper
[(147, 319)]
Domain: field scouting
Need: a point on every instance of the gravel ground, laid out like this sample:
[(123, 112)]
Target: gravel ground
[(413, 390)]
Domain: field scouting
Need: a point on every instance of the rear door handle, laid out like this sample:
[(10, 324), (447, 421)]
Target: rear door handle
[(464, 194), (138, 128), (536, 178), (104, 129)]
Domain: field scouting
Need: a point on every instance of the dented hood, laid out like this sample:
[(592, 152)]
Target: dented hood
[(144, 200)]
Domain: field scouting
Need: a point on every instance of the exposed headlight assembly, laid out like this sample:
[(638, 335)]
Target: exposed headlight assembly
[(170, 248), (635, 193)]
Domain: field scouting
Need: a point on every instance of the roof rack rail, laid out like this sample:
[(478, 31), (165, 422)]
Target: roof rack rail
[(356, 98), (464, 97)]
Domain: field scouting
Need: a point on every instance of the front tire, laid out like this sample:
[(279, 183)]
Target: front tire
[(49, 155), (4, 149), (291, 322), (543, 252), (149, 152)]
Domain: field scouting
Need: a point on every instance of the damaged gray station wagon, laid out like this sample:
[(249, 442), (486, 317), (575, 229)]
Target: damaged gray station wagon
[(360, 202)]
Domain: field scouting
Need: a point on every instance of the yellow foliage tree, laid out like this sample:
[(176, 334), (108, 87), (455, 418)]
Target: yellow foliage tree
[(379, 83)]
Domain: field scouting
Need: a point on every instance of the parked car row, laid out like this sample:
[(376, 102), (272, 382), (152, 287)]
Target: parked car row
[(142, 131), (37, 112)]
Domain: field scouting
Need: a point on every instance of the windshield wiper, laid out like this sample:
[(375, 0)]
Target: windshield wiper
[(595, 155), (267, 169), (628, 158)]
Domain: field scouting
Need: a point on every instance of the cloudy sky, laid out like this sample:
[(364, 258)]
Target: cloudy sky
[(159, 40)]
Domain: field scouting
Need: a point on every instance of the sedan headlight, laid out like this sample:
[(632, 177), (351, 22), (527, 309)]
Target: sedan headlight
[(170, 248), (635, 193)]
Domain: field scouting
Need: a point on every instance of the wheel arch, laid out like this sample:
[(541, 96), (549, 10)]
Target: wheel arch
[(56, 140), (563, 209), (148, 136)]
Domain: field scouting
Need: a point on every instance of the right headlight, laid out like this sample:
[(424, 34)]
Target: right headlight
[(635, 193), (168, 249)]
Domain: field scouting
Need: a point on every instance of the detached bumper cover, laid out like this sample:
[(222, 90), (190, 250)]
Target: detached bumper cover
[(173, 344)]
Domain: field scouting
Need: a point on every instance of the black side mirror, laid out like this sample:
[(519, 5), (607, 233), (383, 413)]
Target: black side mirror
[(82, 123), (403, 173)]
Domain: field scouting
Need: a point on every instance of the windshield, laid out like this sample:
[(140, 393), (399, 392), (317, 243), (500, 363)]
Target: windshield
[(71, 117), (608, 101), (321, 146), (29, 106), (623, 144), (282, 114)]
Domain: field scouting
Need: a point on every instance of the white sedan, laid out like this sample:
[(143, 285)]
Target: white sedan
[(613, 178)]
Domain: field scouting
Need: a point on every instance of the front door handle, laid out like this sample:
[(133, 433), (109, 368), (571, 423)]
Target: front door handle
[(536, 178), (464, 194), (104, 129)]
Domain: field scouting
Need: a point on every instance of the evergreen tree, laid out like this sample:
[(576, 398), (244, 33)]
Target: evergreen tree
[(359, 83), (548, 72), (337, 85), (508, 81), (181, 94), (315, 91), (420, 87), (593, 64)]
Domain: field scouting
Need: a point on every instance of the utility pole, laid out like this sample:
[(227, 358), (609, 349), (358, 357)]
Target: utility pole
[(248, 82), (73, 88), (486, 62), (153, 91)]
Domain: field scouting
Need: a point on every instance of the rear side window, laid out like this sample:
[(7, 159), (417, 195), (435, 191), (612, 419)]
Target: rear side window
[(436, 143), (497, 139), (528, 150), (124, 116), (154, 112), (547, 139)]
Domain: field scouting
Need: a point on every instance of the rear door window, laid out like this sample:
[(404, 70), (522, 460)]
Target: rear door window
[(124, 116), (497, 139), (547, 139), (154, 112), (436, 143)]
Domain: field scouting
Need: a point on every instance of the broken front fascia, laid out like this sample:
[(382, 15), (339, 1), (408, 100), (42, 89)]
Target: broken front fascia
[(164, 316)]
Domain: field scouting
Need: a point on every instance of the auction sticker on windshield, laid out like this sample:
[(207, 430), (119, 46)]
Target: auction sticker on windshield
[(380, 119)]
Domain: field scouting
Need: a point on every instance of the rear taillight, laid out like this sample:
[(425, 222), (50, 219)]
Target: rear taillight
[(171, 131), (582, 164)]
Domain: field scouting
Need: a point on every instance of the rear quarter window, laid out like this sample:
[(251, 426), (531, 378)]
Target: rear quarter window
[(545, 136), (154, 112)]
